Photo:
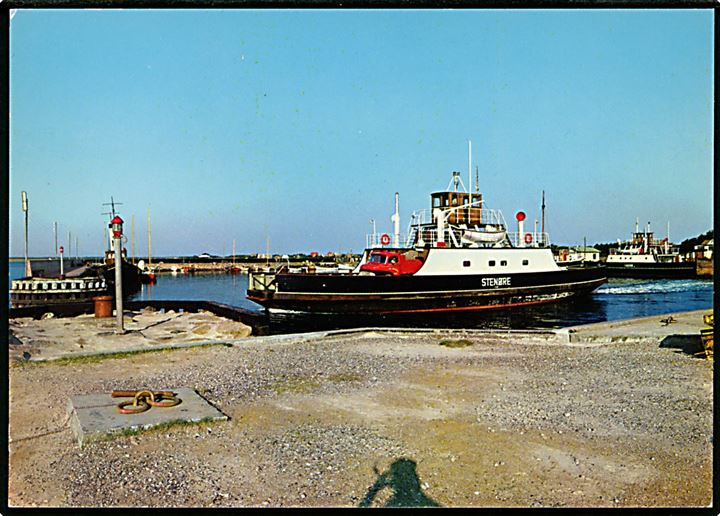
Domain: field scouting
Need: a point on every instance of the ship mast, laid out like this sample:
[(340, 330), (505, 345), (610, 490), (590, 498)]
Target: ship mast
[(542, 225), (396, 221), (469, 167), (469, 180)]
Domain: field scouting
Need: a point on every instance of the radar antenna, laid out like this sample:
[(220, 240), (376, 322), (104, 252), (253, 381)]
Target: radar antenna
[(112, 204)]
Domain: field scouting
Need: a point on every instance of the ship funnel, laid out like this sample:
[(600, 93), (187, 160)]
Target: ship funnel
[(520, 216)]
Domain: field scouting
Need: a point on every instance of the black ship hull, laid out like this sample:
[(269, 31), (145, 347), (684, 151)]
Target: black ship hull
[(684, 270), (358, 294), (131, 278)]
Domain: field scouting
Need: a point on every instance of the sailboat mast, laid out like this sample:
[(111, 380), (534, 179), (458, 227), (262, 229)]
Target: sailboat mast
[(267, 250), (542, 227), (149, 242), (132, 240)]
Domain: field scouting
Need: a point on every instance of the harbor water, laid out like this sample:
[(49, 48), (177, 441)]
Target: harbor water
[(618, 299)]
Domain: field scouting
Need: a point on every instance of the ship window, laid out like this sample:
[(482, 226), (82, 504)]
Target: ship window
[(466, 263), (503, 263), (491, 263), (525, 262)]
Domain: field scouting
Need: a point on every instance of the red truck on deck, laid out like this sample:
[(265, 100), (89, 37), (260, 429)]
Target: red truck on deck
[(392, 263)]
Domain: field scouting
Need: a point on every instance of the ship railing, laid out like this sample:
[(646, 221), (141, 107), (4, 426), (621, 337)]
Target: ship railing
[(529, 239), (427, 236), (377, 240), (462, 214), (422, 223), (262, 281), (59, 284)]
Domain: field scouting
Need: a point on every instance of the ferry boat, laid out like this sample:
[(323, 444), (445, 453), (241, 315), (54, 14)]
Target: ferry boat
[(79, 285), (458, 255), (645, 257)]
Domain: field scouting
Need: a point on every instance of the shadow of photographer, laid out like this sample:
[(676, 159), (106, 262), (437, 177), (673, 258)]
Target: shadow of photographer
[(402, 478)]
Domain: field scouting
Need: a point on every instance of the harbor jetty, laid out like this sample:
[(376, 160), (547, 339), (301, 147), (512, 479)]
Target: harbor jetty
[(605, 415), (46, 267)]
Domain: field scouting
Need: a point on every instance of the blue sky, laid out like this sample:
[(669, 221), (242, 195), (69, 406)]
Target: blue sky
[(299, 126)]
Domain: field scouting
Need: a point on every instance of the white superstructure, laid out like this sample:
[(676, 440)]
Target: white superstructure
[(459, 236)]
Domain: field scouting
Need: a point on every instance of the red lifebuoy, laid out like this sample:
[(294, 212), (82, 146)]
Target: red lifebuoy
[(385, 239), (528, 238)]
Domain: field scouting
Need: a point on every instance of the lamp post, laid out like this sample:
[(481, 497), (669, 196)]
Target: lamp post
[(116, 227), (62, 271), (28, 269)]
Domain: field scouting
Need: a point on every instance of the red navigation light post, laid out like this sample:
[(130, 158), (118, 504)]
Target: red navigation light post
[(116, 227)]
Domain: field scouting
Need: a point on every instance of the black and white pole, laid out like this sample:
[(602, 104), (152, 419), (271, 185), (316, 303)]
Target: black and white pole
[(62, 270), (116, 226)]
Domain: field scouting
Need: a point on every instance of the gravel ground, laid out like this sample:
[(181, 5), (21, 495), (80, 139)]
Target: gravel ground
[(378, 420)]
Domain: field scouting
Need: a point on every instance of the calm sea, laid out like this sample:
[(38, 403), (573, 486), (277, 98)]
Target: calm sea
[(618, 299)]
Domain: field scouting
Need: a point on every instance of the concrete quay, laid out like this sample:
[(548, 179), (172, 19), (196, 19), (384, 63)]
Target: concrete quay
[(146, 329), (152, 329), (678, 329), (363, 417)]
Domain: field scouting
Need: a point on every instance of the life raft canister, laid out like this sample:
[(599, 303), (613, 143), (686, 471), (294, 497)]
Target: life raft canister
[(528, 238), (385, 239)]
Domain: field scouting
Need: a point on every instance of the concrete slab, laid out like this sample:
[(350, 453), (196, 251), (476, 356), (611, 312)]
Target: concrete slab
[(95, 416), (656, 328)]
